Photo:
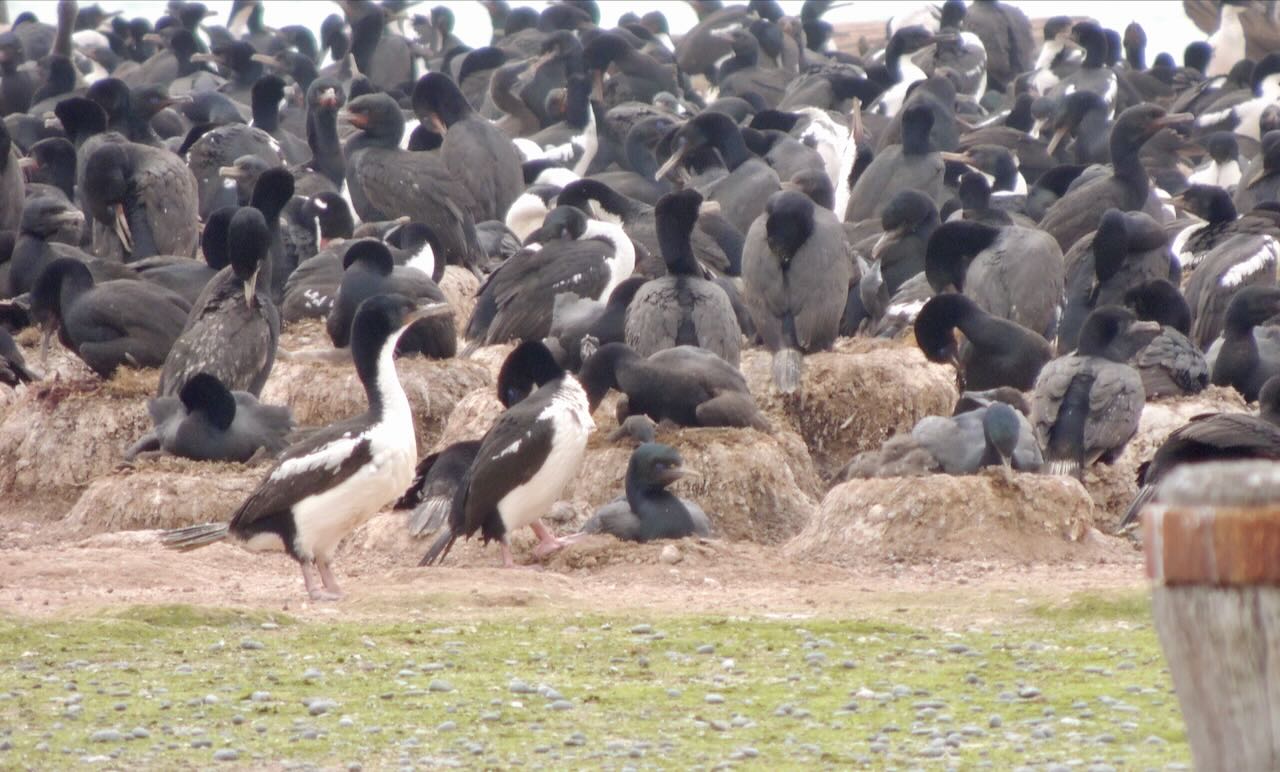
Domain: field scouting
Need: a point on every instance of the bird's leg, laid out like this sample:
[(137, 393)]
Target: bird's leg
[(329, 580), (547, 541), (507, 560), (315, 592)]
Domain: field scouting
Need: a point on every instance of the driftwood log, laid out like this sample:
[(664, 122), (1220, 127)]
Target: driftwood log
[(1213, 554)]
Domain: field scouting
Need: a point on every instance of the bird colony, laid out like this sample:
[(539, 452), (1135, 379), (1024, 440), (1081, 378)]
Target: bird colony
[(740, 283)]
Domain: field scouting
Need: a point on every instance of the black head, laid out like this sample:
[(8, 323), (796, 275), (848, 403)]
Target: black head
[(378, 116), (481, 60), (60, 280), (378, 320), (789, 223), (1251, 306), (974, 191), (605, 49), (767, 35), (528, 366), (1208, 202), (268, 90), (112, 95), (438, 100), (950, 250), (213, 241), (775, 120), (1135, 42), (1266, 72), (997, 161), (935, 324), (248, 240), (910, 39), (953, 12), (106, 177), (563, 222), (1159, 301), (204, 393), (1196, 56), (1139, 123), (1271, 151), (272, 192), (917, 122), (1102, 330), (1222, 146), (1001, 427), (907, 211), (654, 466), (325, 94), (80, 118), (600, 372), (1110, 244), (370, 255), (147, 101), (44, 216), (676, 215), (54, 162), (815, 184)]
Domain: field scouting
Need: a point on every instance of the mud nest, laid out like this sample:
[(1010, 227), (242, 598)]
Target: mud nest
[(996, 515), (855, 397)]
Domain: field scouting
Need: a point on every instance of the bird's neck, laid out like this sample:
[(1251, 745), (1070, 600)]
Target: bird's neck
[(326, 147), (377, 371)]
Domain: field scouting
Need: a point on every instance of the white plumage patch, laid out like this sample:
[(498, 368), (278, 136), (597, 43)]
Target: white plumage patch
[(424, 260), (328, 457), (571, 425), (1262, 260)]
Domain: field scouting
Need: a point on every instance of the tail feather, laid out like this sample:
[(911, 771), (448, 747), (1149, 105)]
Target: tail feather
[(1145, 496), (430, 515), (194, 536), (472, 347), (787, 365), (439, 549)]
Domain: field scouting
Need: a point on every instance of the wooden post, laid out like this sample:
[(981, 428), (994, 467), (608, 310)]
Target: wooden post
[(1213, 553)]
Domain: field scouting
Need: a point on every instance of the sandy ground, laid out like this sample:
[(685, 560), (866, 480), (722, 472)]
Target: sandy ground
[(42, 576)]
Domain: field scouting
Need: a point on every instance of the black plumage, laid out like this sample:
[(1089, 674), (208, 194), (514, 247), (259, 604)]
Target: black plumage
[(1213, 437), (234, 326), (1170, 365), (685, 384), (1241, 363), (207, 422), (143, 201), (648, 511), (996, 352), (1085, 406), (796, 273), (114, 323), (681, 308)]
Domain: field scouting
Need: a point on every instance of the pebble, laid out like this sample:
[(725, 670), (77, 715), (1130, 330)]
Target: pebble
[(320, 707), (519, 687), (1028, 692), (250, 644), (561, 705), (139, 733), (642, 629), (106, 736), (714, 699), (260, 697), (670, 555), (447, 726), (226, 754), (995, 722), (707, 648), (439, 685), (577, 739)]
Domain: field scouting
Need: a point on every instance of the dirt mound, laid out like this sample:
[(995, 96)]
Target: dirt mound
[(58, 435), (1113, 487), (855, 397), (459, 287), (754, 486), (172, 494), (992, 516), (323, 392), (596, 551), (471, 417)]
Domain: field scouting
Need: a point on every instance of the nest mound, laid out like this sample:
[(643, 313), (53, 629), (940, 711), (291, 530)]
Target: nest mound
[(996, 515), (470, 418), (171, 493), (854, 397), (597, 551), (58, 435), (321, 393), (1113, 487), (754, 486)]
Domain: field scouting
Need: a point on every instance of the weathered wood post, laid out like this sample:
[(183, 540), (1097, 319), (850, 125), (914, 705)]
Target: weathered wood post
[(1213, 553)]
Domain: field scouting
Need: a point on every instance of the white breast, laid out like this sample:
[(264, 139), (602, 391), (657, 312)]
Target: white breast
[(572, 422)]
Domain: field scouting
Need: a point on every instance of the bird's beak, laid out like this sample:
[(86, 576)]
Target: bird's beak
[(1072, 44), (28, 163), (70, 217), (1058, 135), (724, 33), (598, 88), (52, 121), (944, 37), (1037, 126), (1172, 119), (855, 120), (328, 98), (29, 66), (46, 335), (251, 286), (122, 229), (709, 208), (682, 149), (438, 125), (266, 59), (432, 311), (403, 219), (152, 37), (230, 172), (960, 158), (170, 101), (201, 56)]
